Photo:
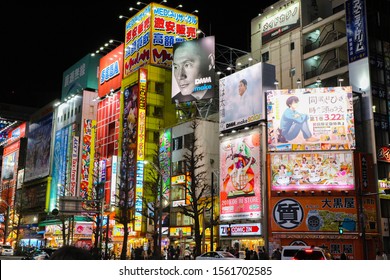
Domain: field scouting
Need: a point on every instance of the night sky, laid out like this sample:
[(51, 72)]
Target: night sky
[(43, 39)]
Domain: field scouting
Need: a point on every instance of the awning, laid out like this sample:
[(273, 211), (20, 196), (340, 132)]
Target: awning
[(58, 221)]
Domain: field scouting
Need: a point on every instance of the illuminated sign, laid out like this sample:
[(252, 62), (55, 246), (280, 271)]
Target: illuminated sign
[(384, 154), (312, 171), (310, 119), (180, 231), (111, 68), (74, 165), (305, 214), (240, 176), (241, 96), (240, 229), (114, 166), (355, 14), (286, 19), (151, 33)]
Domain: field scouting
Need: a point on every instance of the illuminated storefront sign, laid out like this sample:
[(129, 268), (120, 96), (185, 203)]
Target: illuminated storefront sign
[(241, 229), (305, 214), (180, 231), (114, 167)]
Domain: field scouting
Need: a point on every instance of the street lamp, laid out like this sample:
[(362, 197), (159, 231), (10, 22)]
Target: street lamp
[(6, 221), (160, 196)]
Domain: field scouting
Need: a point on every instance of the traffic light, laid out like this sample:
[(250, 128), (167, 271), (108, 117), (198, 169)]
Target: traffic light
[(341, 229)]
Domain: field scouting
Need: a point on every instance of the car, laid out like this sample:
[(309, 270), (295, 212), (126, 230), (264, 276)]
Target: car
[(40, 255), (6, 250), (288, 252), (312, 253), (217, 255)]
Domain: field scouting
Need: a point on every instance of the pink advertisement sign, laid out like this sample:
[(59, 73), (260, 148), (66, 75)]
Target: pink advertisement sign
[(240, 176), (312, 171), (310, 119)]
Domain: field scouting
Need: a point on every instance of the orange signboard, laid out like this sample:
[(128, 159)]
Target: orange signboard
[(313, 214)]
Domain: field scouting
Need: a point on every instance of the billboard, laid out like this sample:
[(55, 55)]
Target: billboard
[(111, 71), (310, 119), (312, 171), (309, 214), (241, 95), (282, 21), (355, 15), (38, 149), (240, 192), (151, 33), (193, 70)]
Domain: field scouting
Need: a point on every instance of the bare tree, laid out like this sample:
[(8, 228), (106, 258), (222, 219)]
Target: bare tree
[(198, 189), (150, 201)]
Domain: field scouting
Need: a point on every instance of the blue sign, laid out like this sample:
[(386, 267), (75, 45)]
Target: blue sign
[(355, 14)]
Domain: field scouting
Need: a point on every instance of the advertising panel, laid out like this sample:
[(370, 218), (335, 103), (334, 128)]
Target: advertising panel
[(193, 70), (384, 185), (82, 75), (241, 95), (128, 162), (355, 15), (111, 71), (253, 229), (310, 119), (240, 176), (38, 149), (87, 166), (312, 171), (165, 150), (17, 133), (282, 21), (309, 214), (151, 33), (10, 162)]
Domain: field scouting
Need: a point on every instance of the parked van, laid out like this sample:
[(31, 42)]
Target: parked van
[(288, 252)]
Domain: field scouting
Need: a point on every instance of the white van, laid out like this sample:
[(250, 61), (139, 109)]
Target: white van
[(288, 252)]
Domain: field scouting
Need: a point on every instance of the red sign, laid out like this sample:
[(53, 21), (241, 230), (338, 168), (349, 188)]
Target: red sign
[(384, 154)]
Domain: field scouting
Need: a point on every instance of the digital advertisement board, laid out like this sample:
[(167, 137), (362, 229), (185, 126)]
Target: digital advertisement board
[(193, 70), (310, 119), (241, 95), (151, 33), (240, 194), (312, 171), (308, 214)]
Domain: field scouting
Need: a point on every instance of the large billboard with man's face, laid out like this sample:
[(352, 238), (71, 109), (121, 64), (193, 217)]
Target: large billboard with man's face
[(193, 70), (241, 95)]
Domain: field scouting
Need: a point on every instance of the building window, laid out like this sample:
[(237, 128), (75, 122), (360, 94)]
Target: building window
[(159, 88), (292, 46), (292, 72), (177, 192), (265, 57), (178, 167), (158, 112), (189, 140), (178, 143)]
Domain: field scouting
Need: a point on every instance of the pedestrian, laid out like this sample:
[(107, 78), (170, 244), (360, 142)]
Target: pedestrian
[(343, 256), (276, 255)]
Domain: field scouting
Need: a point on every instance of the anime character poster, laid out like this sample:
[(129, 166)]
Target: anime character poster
[(240, 177), (310, 119), (312, 171)]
